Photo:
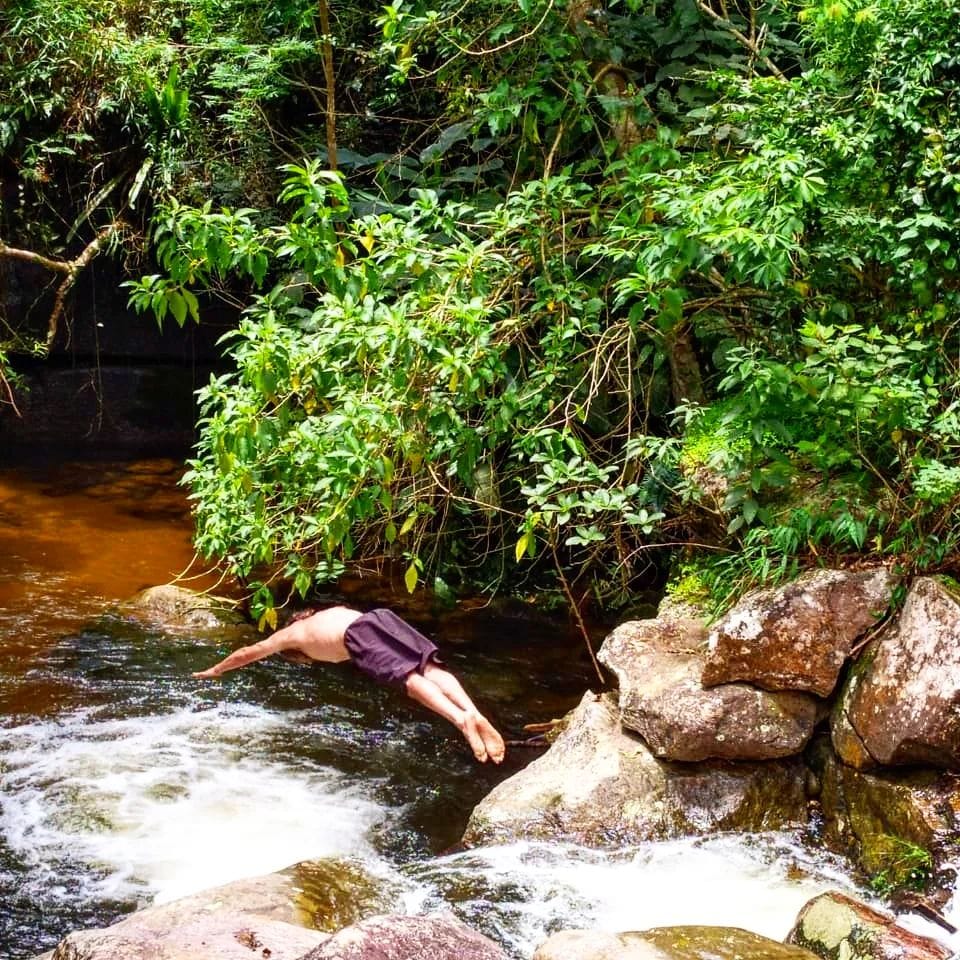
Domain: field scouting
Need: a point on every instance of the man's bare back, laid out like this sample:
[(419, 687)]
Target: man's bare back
[(322, 637)]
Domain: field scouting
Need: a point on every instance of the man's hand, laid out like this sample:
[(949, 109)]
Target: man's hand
[(208, 674), (245, 655)]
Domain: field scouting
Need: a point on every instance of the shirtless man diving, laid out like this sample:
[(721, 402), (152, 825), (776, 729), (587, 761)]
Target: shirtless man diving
[(384, 647)]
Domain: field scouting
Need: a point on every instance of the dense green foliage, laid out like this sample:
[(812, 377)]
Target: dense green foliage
[(597, 293)]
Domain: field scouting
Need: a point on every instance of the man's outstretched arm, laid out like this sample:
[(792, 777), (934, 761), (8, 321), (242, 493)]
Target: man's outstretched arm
[(281, 640)]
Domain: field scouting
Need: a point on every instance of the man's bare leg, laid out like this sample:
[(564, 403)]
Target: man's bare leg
[(450, 686), (433, 697)]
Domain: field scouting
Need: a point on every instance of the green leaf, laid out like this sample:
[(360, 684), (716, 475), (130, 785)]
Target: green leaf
[(520, 547), (178, 306)]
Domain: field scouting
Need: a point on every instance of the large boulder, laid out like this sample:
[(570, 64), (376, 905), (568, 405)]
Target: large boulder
[(667, 943), (224, 936), (599, 784), (433, 937), (659, 667), (275, 916), (798, 636), (901, 704), (836, 927)]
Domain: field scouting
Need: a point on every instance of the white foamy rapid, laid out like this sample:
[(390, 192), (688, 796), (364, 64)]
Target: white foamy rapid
[(161, 806), (755, 882)]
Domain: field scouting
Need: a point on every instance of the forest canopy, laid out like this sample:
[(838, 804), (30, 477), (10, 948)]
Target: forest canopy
[(533, 295)]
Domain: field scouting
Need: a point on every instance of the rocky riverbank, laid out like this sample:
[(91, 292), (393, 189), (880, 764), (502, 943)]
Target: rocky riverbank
[(804, 705)]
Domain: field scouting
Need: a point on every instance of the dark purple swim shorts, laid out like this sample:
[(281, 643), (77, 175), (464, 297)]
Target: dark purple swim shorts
[(387, 648)]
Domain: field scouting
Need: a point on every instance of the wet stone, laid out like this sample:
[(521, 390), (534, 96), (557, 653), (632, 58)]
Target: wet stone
[(333, 893), (438, 936), (179, 611), (667, 943), (836, 927), (598, 784), (277, 916), (900, 825)]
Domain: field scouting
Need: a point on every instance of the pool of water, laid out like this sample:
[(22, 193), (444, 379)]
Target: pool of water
[(126, 782)]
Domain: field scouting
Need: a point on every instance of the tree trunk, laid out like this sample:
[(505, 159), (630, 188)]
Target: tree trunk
[(686, 381), (327, 46)]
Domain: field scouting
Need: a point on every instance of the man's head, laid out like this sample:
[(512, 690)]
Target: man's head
[(301, 615), (295, 656)]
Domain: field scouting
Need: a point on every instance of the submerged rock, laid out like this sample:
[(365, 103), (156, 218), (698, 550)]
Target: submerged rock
[(274, 916), (180, 611), (439, 936), (798, 636), (667, 943), (836, 927), (599, 784), (330, 894), (901, 704), (659, 666)]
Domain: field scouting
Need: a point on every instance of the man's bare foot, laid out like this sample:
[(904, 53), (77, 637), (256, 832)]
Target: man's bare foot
[(471, 731), (492, 741)]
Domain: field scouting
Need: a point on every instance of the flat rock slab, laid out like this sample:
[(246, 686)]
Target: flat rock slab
[(279, 916), (598, 784), (798, 636), (659, 667), (225, 935), (836, 927), (901, 704), (667, 943), (432, 937)]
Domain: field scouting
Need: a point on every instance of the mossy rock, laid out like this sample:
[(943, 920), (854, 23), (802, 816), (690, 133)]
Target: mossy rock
[(667, 943), (837, 927)]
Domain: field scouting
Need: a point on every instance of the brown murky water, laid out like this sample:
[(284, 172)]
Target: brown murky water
[(73, 536), (77, 537)]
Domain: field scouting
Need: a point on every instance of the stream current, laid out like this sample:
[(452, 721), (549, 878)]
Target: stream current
[(124, 782)]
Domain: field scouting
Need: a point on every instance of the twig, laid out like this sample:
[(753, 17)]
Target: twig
[(73, 271), (870, 635), (509, 43), (575, 609), (10, 398), (742, 38)]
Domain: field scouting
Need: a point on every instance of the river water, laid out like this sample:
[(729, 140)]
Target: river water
[(125, 782)]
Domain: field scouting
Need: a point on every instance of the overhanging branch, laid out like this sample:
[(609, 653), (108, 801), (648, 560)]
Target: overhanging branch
[(70, 269)]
